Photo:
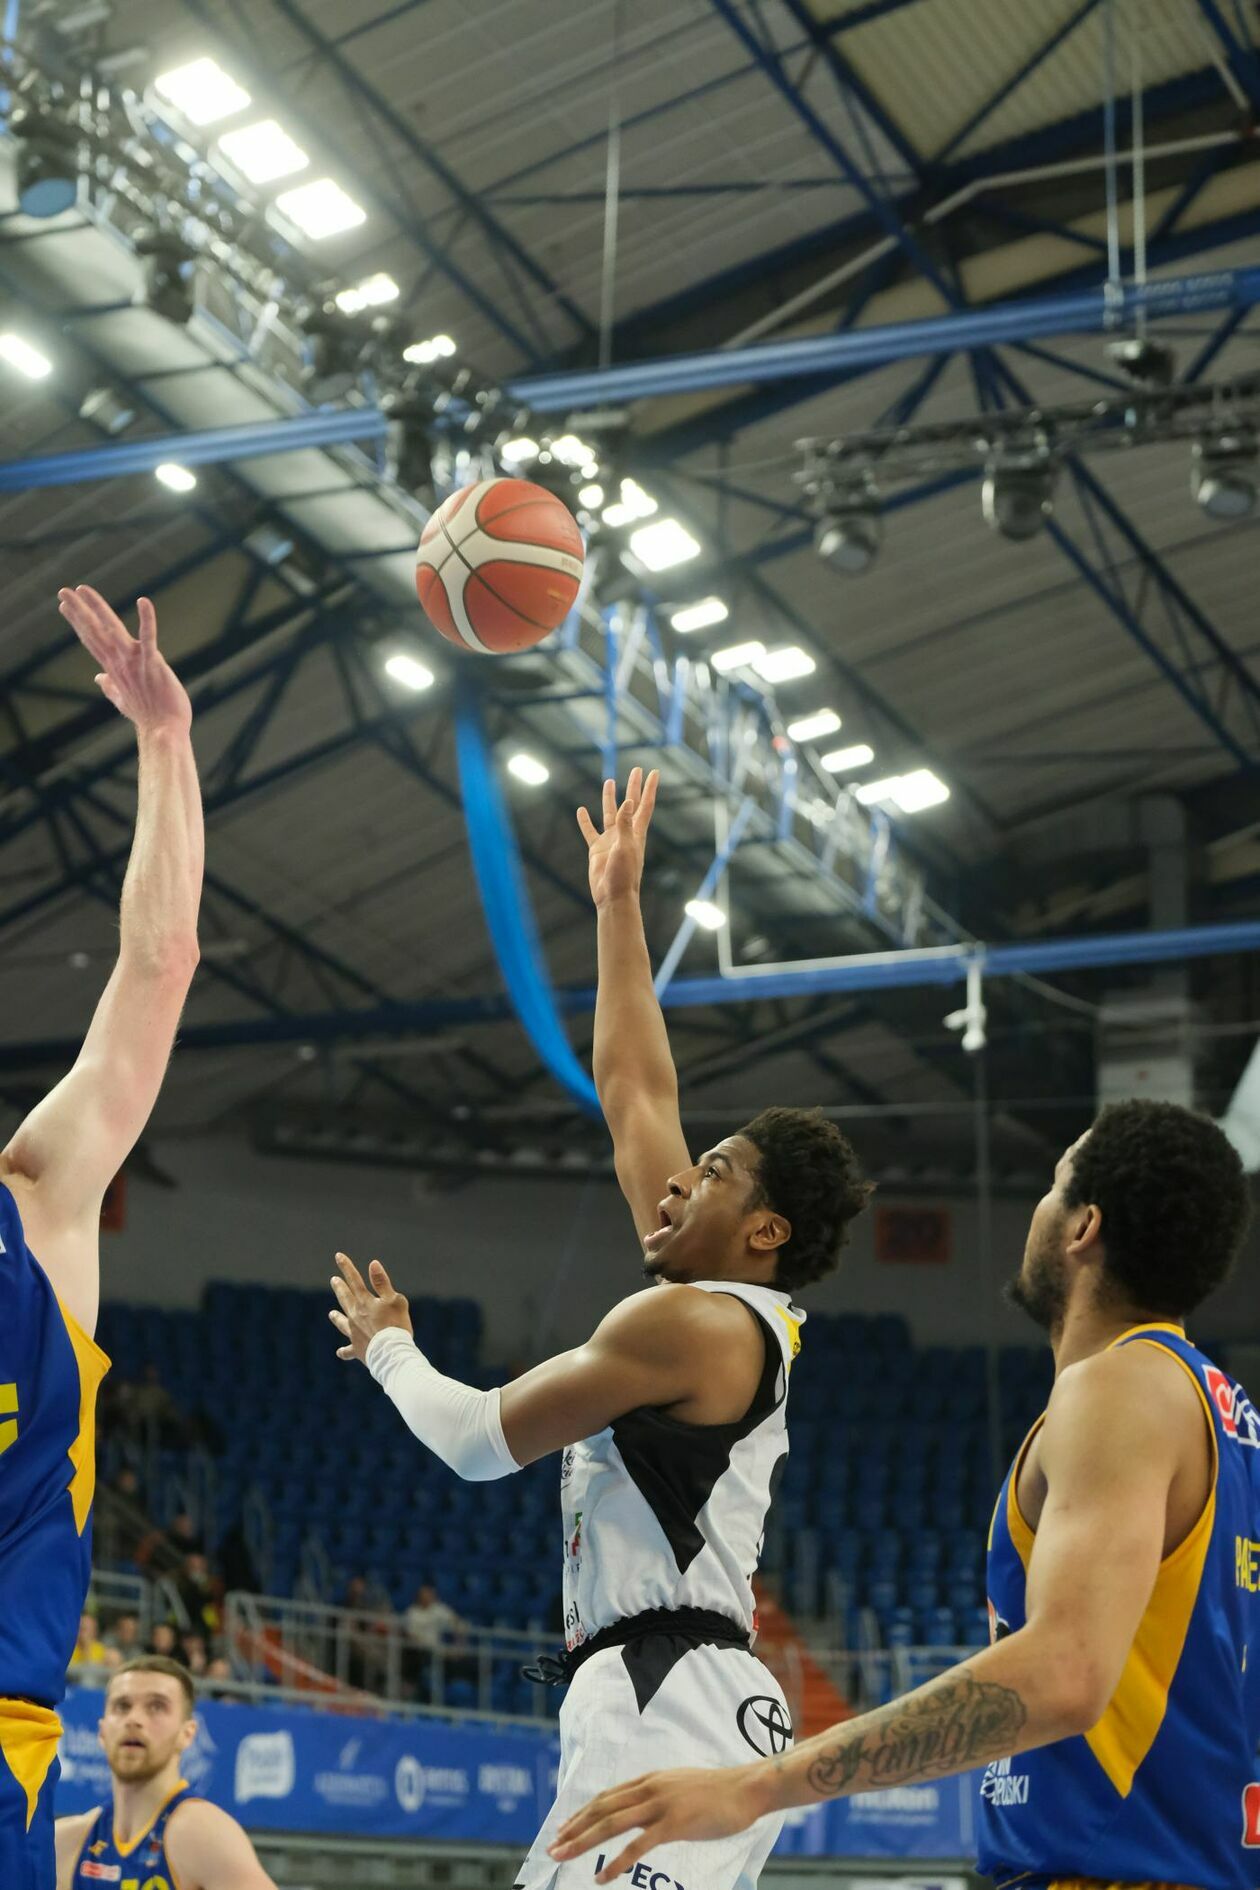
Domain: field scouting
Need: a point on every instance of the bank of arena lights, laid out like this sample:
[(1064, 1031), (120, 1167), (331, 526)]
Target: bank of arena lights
[(1020, 453)]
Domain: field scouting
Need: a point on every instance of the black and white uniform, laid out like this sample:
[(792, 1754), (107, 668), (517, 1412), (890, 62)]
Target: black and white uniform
[(664, 1515)]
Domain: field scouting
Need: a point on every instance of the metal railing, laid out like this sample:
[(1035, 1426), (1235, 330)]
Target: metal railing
[(366, 1659)]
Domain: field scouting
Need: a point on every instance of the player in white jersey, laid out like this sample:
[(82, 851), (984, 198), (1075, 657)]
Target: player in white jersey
[(671, 1417)]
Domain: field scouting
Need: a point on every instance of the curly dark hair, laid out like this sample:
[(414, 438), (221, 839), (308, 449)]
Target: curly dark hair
[(1173, 1199), (811, 1175)]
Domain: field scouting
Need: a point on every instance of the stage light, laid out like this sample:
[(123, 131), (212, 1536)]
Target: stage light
[(409, 671), (705, 914), (843, 760), (169, 263), (202, 91), (663, 544), (335, 354), (27, 360), (736, 656), (175, 478), (1018, 496), (849, 534), (518, 452), (1224, 474), (529, 769), (370, 293), (810, 728), (785, 664)]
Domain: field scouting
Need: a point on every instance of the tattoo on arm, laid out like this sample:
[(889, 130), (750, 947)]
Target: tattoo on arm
[(950, 1726)]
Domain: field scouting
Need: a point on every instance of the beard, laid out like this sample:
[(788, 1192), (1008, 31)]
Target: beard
[(136, 1767), (1040, 1289)]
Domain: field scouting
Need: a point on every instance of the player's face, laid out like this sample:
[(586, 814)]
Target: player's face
[(145, 1725), (703, 1233), (1040, 1287)]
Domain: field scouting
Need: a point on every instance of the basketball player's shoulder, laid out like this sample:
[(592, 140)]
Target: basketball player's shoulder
[(1140, 1385), (672, 1315), (207, 1847), (71, 1835)]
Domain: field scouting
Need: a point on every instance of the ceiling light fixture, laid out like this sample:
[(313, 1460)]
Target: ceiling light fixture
[(264, 152), (810, 728), (202, 91), (700, 616)]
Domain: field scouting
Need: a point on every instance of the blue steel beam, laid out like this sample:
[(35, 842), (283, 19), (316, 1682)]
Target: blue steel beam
[(209, 446), (850, 80), (1242, 60), (905, 970), (1084, 312), (1017, 78)]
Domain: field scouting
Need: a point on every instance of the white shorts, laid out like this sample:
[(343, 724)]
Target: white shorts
[(649, 1707)]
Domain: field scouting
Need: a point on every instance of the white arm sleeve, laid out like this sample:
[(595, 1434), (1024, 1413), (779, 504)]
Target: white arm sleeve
[(458, 1424)]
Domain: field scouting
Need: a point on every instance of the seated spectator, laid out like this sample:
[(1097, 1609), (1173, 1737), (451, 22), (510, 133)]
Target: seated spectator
[(196, 1657), (154, 1413), (122, 1637), (236, 1564), (219, 1669), (185, 1535), (367, 1657), (165, 1640), (89, 1648), (122, 1523), (437, 1645), (199, 1594)]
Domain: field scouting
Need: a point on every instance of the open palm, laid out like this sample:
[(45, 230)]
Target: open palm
[(615, 855), (134, 675)]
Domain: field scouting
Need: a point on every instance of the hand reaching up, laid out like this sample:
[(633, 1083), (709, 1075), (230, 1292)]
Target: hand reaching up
[(134, 674), (615, 856)]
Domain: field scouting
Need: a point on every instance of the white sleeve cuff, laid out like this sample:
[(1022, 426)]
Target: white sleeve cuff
[(460, 1425)]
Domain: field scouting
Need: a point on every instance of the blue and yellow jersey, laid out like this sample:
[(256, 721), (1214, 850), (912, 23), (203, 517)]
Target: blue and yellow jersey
[(1166, 1787), (50, 1372), (139, 1864)]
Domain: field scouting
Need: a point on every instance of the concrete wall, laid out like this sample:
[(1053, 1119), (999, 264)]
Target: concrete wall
[(545, 1260)]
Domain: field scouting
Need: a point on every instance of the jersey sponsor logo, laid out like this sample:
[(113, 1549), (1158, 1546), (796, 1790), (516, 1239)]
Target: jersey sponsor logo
[(763, 1721), (644, 1876), (998, 1628), (1251, 1817), (1000, 1786), (103, 1873), (1239, 1417)]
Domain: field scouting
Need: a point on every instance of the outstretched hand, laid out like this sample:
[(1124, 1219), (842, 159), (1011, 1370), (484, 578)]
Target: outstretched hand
[(134, 675), (364, 1313), (615, 856), (662, 1807)]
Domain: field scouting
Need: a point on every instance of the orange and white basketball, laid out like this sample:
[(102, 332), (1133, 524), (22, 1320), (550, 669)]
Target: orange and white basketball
[(499, 566)]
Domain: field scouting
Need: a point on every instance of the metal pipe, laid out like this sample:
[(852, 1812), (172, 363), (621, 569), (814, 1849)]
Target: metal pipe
[(339, 427), (1084, 312)]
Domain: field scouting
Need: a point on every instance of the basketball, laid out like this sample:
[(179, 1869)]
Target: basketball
[(499, 565)]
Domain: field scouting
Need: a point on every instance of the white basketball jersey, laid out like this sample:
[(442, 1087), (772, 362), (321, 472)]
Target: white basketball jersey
[(663, 1514)]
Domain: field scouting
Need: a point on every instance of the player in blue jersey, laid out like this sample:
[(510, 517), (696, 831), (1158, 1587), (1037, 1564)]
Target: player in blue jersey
[(1117, 1714), (155, 1834), (53, 1176)]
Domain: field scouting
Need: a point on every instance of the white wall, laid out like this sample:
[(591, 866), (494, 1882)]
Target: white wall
[(545, 1260)]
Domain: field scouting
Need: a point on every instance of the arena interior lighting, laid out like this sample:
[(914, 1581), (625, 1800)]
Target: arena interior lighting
[(736, 656), (321, 209), (633, 503), (843, 760), (706, 914), (47, 165), (1018, 497), (408, 671), (785, 664), (27, 360), (570, 450), (592, 497), (174, 477), (106, 408), (663, 544), (436, 348), (529, 769), (811, 728), (1224, 474), (373, 292), (202, 91), (263, 153), (701, 615), (911, 793), (518, 452)]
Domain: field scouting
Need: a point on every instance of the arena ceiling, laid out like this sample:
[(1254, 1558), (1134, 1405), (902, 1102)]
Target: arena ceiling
[(766, 150)]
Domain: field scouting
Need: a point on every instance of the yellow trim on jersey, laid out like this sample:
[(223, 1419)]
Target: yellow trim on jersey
[(1152, 1325), (125, 1850), (1128, 1729), (1097, 1883), (8, 1405), (93, 1365), (1022, 1534), (794, 1332), (28, 1740)]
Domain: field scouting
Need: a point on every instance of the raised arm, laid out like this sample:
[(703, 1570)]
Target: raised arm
[(634, 1071), (1110, 1449), (74, 1142)]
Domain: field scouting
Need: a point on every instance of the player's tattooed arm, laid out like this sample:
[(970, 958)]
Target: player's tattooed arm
[(952, 1724)]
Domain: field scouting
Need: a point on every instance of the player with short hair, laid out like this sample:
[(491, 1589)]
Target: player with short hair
[(671, 1416), (1118, 1712), (53, 1176), (155, 1831)]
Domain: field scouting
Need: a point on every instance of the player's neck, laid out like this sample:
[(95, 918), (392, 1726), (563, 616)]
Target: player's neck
[(137, 1805), (1088, 1329)]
